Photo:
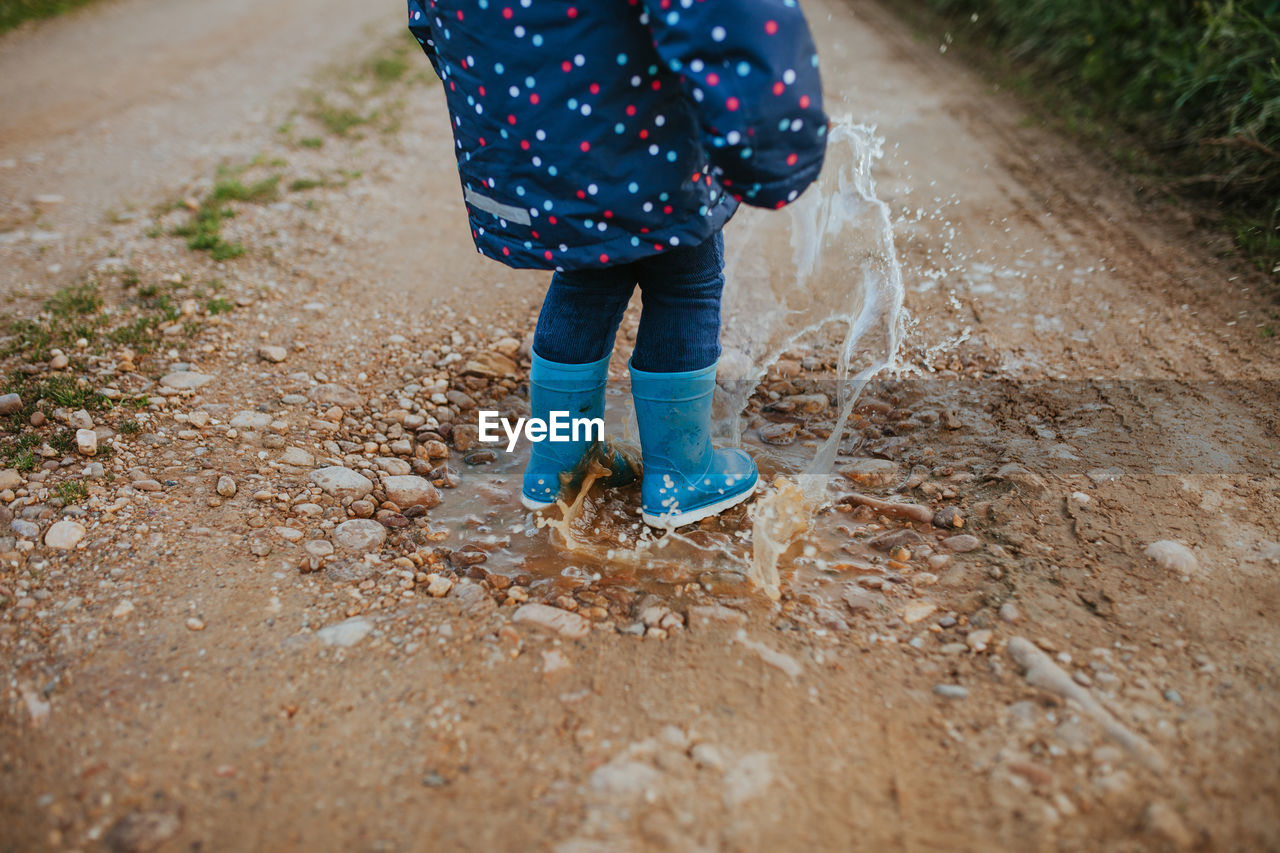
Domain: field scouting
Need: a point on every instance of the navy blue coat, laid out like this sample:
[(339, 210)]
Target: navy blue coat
[(596, 132)]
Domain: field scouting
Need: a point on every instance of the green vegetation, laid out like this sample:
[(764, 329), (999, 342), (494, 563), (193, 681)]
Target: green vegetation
[(70, 491), (1193, 88), (311, 142), (337, 120), (204, 230), (15, 12)]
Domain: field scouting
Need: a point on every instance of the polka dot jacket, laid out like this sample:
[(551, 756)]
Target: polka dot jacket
[(596, 132)]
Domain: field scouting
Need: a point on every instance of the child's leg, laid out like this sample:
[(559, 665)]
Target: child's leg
[(680, 323), (581, 312)]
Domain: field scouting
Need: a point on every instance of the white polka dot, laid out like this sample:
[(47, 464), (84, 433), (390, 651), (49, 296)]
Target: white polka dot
[(788, 77), (717, 33)]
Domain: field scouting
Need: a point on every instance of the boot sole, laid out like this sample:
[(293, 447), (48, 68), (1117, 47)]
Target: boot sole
[(680, 519), (531, 504)]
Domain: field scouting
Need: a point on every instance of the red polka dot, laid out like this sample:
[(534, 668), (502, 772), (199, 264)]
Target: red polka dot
[(631, 109), (644, 230), (804, 102), (551, 220), (566, 66), (572, 12), (511, 119), (791, 159), (459, 14), (657, 247), (780, 205), (482, 93), (608, 214), (657, 84), (713, 79), (695, 177), (507, 13), (533, 99), (506, 251), (604, 259), (595, 88), (524, 144), (644, 134), (779, 88), (585, 146), (482, 142), (547, 254), (770, 27), (667, 209), (732, 104), (535, 234), (582, 193)]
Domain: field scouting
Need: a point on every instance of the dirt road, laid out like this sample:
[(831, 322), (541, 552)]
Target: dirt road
[(231, 654)]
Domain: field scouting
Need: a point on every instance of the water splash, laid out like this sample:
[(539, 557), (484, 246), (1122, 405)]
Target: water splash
[(843, 281)]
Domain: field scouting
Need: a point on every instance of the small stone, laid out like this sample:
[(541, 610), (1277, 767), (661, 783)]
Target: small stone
[(1025, 480), (138, 832), (10, 403), (185, 380), (253, 420), (289, 534), (273, 354), (64, 535), (950, 691), (37, 418), (937, 562), (917, 610), (465, 437), (195, 623), (554, 661), (491, 365), (340, 482), (25, 529), (705, 615), (345, 633), (562, 622), (360, 534), (297, 458), (1172, 556), (226, 486), (410, 490), (392, 465), (1161, 820), (1009, 613), (979, 640), (948, 518), (336, 395), (80, 419), (87, 442), (871, 472), (962, 544), (438, 586), (59, 362), (10, 479), (780, 434), (122, 609), (362, 509)]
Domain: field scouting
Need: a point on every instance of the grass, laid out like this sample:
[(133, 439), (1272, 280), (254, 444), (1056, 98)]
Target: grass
[(339, 121), (204, 229), (70, 492), (1190, 90), (15, 12)]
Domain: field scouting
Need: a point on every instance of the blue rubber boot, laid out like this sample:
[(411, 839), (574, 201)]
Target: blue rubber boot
[(579, 390), (685, 479)]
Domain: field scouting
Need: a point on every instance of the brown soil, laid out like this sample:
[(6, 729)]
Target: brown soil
[(1093, 344)]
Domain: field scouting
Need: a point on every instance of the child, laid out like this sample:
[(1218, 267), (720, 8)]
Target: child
[(610, 141)]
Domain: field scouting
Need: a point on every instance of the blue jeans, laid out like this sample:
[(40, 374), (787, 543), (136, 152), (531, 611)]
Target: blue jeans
[(680, 291)]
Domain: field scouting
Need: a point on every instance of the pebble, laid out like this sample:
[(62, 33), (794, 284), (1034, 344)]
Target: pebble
[(962, 544), (1025, 480), (438, 586), (871, 472), (562, 622), (950, 691), (318, 547), (64, 535), (250, 420), (1009, 613), (334, 394), (979, 640), (1172, 556), (25, 529), (341, 482), (274, 354), (410, 490), (938, 562), (1162, 820), (297, 457), (59, 362), (10, 403), (87, 442), (360, 534), (80, 419), (345, 633), (226, 486), (185, 380), (392, 465), (122, 609), (948, 518), (915, 611), (195, 623)]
